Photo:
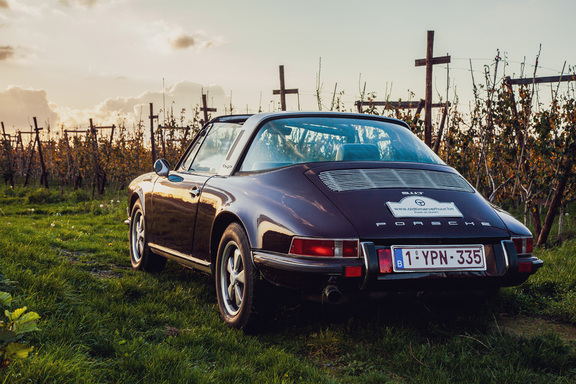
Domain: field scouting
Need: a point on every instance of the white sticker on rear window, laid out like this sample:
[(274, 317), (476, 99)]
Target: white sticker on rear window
[(420, 206)]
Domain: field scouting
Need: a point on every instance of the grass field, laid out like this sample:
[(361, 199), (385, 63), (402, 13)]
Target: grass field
[(66, 258)]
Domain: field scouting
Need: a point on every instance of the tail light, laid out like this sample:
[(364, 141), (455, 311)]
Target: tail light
[(324, 247), (525, 267), (523, 245)]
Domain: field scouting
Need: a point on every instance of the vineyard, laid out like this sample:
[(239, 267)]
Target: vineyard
[(516, 150)]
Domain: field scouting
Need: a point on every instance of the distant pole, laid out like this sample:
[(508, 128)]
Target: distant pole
[(283, 91)]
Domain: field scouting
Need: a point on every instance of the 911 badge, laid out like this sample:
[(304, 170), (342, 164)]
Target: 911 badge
[(420, 206)]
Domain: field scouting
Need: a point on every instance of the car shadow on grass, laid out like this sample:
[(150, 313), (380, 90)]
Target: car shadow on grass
[(424, 315)]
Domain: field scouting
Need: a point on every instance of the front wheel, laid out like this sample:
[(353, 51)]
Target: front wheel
[(236, 278), (141, 257)]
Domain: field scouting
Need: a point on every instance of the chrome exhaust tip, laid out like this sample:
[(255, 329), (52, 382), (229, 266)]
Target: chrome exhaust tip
[(332, 294)]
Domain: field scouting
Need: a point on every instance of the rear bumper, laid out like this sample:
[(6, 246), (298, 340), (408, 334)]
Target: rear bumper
[(505, 268)]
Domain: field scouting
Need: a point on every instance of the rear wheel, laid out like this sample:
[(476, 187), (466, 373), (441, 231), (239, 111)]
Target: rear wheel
[(236, 279), (141, 257)]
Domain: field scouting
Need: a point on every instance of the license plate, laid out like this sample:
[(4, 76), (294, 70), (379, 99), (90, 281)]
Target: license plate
[(440, 258)]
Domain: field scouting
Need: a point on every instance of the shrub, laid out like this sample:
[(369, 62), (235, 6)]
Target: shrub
[(80, 195), (18, 323), (43, 196)]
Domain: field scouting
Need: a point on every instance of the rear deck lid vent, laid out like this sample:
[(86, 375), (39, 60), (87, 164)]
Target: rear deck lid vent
[(342, 180)]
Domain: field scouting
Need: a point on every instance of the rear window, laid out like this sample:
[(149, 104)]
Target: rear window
[(284, 142)]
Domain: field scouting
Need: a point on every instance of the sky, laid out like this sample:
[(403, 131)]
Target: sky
[(66, 61)]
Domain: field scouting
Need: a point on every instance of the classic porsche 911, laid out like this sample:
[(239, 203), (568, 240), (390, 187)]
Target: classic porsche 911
[(335, 206)]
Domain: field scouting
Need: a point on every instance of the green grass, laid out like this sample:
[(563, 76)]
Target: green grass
[(66, 258)]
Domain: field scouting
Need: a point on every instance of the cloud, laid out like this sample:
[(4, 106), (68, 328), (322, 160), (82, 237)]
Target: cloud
[(4, 4), (181, 96), (6, 52), (81, 3), (167, 37), (183, 42), (18, 106)]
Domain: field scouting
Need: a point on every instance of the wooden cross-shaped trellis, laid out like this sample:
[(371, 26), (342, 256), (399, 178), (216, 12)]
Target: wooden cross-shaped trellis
[(397, 105), (205, 108), (429, 61), (283, 91)]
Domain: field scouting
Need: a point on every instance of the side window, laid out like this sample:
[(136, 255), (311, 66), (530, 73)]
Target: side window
[(187, 161), (214, 148)]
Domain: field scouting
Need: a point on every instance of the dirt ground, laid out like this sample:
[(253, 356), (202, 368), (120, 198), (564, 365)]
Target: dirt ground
[(534, 326)]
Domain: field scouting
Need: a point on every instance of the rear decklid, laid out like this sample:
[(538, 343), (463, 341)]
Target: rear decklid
[(408, 201)]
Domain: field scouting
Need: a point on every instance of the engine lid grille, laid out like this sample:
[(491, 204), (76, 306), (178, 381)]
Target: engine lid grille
[(342, 180)]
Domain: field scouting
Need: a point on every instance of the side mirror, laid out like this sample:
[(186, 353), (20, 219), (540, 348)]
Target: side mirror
[(161, 167)]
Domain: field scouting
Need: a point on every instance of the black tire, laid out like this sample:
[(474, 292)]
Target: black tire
[(236, 280), (141, 257)]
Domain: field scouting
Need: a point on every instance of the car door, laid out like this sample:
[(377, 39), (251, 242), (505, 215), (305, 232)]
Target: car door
[(176, 197)]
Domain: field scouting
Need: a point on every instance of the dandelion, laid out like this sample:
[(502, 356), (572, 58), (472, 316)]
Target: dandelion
[(53, 224), (72, 227), (101, 205), (111, 201)]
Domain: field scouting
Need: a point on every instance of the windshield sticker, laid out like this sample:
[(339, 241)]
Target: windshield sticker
[(420, 206)]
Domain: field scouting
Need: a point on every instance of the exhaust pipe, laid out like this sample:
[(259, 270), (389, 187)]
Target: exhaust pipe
[(332, 294)]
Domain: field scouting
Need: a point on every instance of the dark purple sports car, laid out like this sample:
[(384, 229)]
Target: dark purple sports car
[(337, 207)]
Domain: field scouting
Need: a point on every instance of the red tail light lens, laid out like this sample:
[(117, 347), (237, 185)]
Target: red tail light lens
[(353, 271), (523, 245), (324, 247), (525, 267), (385, 260)]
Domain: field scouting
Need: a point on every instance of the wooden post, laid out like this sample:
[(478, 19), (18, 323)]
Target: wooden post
[(441, 130), (283, 91), (205, 108), (398, 104), (29, 167), (9, 175), (540, 80), (429, 61), (152, 117), (44, 176)]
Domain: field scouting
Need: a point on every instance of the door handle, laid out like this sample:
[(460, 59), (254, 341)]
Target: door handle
[(195, 192)]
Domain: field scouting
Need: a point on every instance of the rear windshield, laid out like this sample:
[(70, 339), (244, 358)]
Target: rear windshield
[(284, 142)]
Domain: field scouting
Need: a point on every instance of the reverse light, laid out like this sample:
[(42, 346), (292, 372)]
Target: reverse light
[(303, 246), (385, 260), (523, 245)]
